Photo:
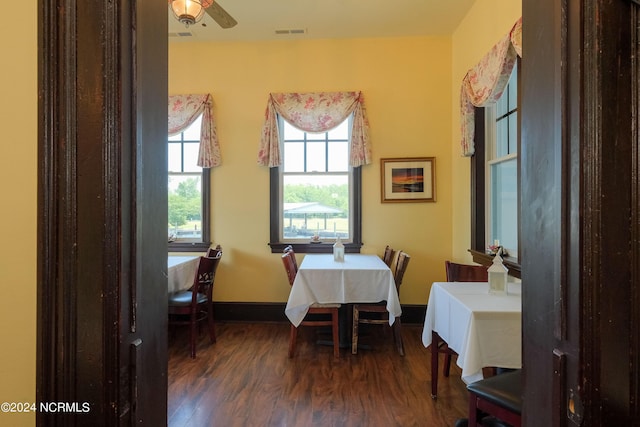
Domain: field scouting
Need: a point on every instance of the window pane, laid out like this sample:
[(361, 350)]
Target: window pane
[(513, 132), (291, 132), (177, 137), (316, 157), (294, 157), (501, 105), (175, 158), (341, 131), (338, 156), (315, 204), (504, 205), (502, 137), (185, 207), (191, 157), (192, 133)]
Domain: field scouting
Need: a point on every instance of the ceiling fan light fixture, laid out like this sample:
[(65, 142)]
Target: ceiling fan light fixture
[(189, 12)]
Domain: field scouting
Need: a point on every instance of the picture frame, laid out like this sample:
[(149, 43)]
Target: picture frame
[(408, 179)]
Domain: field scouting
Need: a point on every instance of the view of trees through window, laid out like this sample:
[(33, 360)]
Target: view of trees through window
[(185, 202), (185, 186), (316, 183)]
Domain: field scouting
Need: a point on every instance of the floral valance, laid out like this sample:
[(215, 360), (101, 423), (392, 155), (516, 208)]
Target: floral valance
[(484, 83), (183, 111), (315, 112)]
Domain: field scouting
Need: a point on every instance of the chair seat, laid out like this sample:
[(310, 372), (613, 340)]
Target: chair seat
[(504, 390), (184, 298)]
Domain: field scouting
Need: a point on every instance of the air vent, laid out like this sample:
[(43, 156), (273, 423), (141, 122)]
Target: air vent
[(291, 31), (181, 34)]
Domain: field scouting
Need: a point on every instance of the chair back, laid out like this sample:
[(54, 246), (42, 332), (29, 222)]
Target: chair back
[(205, 276), (387, 257), (465, 272), (289, 249), (289, 266), (213, 252), (401, 267)]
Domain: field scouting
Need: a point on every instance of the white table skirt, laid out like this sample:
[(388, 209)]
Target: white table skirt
[(360, 278), (485, 330), (180, 272)]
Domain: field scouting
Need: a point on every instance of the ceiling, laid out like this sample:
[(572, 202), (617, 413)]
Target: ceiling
[(319, 19)]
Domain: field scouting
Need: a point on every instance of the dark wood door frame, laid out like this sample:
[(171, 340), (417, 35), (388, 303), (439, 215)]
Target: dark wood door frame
[(101, 337), (580, 212)]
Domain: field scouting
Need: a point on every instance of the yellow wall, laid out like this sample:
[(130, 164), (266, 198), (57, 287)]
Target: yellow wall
[(18, 187), (486, 23), (406, 83)]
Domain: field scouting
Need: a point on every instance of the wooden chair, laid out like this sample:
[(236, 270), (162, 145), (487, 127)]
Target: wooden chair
[(289, 249), (455, 273), (288, 259), (213, 252), (387, 257), (381, 315), (196, 305), (499, 396), (465, 273)]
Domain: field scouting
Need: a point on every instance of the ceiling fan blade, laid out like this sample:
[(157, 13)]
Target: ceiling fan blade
[(221, 16)]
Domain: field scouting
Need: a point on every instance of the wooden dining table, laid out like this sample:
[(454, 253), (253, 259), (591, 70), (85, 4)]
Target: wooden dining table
[(485, 330), (359, 278)]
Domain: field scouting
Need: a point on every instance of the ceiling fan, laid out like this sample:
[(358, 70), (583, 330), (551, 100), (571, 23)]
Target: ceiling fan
[(189, 12)]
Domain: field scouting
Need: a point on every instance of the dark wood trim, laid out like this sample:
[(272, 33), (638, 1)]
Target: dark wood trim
[(274, 312), (477, 163), (101, 250)]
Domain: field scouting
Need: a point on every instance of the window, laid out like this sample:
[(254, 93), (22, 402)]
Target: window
[(188, 186), (315, 192), (502, 169), (495, 172)]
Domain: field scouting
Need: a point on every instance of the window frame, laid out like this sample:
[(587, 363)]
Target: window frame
[(205, 210), (275, 205), (479, 171)]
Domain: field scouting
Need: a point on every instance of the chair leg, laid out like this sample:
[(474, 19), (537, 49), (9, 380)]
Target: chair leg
[(354, 335), (292, 340), (473, 413), (335, 333), (397, 336), (434, 364), (446, 368)]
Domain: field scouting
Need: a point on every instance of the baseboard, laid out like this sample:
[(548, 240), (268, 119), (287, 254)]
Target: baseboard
[(274, 312)]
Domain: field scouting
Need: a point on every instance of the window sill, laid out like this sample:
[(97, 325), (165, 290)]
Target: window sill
[(485, 259), (314, 248), (188, 246)]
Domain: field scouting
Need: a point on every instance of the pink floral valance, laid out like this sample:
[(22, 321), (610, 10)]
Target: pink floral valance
[(183, 111), (315, 112), (484, 83)]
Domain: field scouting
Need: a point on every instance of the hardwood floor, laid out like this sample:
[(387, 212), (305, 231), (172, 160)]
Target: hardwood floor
[(246, 379)]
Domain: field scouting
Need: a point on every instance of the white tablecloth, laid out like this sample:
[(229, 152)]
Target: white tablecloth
[(180, 272), (360, 278), (485, 330)]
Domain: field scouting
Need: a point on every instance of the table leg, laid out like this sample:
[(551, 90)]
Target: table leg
[(435, 339)]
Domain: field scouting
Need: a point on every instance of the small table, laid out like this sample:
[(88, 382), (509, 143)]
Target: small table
[(180, 272), (360, 278), (485, 330)]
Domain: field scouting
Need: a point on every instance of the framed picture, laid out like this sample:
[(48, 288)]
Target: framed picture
[(409, 179)]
